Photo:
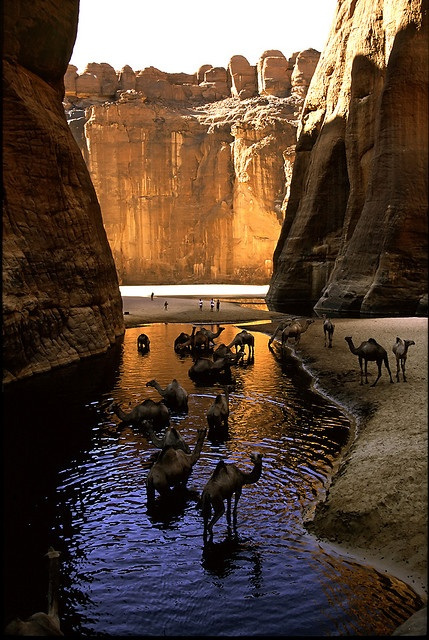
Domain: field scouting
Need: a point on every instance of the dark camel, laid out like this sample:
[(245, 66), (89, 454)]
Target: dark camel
[(226, 480), (183, 341), (241, 340), (328, 330), (40, 623), (221, 351), (171, 438), (369, 351), (295, 330), (209, 336), (217, 417), (400, 349), (157, 412), (143, 343), (205, 367), (174, 395), (172, 469)]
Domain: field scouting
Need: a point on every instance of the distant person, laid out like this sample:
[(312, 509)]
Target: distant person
[(151, 295), (200, 304), (166, 305), (211, 304), (217, 305)]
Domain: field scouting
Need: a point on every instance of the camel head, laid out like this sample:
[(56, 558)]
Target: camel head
[(151, 383), (256, 458)]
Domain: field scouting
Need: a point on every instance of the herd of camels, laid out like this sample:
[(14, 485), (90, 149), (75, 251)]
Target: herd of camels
[(173, 464)]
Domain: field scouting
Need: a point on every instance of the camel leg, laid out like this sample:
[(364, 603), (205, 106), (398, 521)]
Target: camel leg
[(236, 499), (379, 374), (361, 370), (150, 493), (398, 365), (386, 364), (219, 510), (325, 337), (403, 370), (228, 510)]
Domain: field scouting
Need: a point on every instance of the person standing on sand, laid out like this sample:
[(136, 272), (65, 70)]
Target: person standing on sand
[(211, 304), (151, 295), (166, 305), (201, 304), (217, 304)]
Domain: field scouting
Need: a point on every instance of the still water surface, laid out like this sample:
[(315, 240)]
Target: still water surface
[(75, 478)]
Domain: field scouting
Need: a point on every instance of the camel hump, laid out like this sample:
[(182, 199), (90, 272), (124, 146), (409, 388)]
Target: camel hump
[(372, 341), (219, 467)]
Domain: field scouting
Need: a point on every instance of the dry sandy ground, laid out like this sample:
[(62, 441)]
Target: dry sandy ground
[(376, 507)]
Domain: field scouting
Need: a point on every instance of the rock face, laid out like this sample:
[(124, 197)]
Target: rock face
[(191, 183), (354, 239), (61, 300)]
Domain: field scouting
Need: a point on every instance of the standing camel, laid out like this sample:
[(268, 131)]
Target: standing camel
[(171, 438), (241, 340), (40, 623), (174, 395), (226, 480), (295, 330), (282, 325), (400, 349), (328, 330), (172, 469), (157, 412), (209, 336), (369, 351), (217, 416)]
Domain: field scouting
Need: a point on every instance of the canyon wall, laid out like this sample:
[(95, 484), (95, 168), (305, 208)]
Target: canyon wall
[(191, 171), (61, 299), (354, 239)]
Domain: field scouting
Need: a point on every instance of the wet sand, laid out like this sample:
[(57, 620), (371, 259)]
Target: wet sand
[(376, 507)]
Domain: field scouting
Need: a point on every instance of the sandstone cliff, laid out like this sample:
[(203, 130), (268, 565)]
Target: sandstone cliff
[(61, 300), (191, 172), (354, 238)]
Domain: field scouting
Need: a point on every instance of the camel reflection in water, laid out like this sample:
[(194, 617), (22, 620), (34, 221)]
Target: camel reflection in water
[(221, 559)]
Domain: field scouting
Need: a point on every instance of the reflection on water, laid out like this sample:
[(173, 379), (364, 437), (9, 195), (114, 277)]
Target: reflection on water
[(75, 478)]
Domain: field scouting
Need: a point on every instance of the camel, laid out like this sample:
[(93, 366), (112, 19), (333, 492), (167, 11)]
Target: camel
[(400, 349), (217, 416), (209, 336), (328, 330), (143, 343), (40, 623), (369, 351), (171, 438), (282, 325), (295, 330), (172, 469), (226, 480), (205, 367), (221, 351), (241, 339), (157, 412), (174, 395), (182, 341)]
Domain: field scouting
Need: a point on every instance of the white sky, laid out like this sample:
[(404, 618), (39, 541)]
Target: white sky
[(180, 36)]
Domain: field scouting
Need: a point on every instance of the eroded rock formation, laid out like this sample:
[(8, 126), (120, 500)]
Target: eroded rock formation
[(354, 238), (61, 300), (191, 172)]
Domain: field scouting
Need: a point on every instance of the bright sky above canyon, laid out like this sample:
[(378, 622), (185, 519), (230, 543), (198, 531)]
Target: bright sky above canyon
[(180, 36)]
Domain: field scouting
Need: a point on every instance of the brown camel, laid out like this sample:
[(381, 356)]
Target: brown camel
[(400, 349), (157, 412), (174, 395), (241, 340), (205, 367), (143, 343), (217, 416), (221, 351), (328, 330), (172, 469), (369, 351), (295, 330), (40, 623), (185, 341), (226, 480), (282, 325), (171, 438), (205, 336)]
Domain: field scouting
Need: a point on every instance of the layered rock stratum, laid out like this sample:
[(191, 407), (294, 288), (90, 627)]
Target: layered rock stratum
[(191, 171), (354, 240), (61, 299)]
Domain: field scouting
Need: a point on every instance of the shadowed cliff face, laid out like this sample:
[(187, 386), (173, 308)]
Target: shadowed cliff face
[(61, 300), (354, 238)]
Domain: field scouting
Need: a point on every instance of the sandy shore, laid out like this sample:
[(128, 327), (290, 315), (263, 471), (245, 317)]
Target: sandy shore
[(377, 505)]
